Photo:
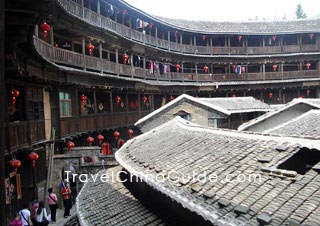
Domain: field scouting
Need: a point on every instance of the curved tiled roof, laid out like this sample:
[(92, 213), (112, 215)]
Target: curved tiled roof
[(111, 203), (187, 151), (306, 125), (315, 103), (223, 27)]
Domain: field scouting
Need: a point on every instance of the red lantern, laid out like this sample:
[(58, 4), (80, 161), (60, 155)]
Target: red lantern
[(308, 92), (275, 67), (171, 98), (125, 58), (131, 105), (15, 164), (130, 133), (206, 69), (83, 99), (15, 92), (144, 99), (274, 37), (118, 99), (311, 36), (239, 38), (105, 148), (100, 138), (270, 95), (45, 28), (233, 68), (90, 140), (70, 145), (13, 100), (204, 37), (308, 66), (90, 48), (178, 67), (33, 157), (116, 134)]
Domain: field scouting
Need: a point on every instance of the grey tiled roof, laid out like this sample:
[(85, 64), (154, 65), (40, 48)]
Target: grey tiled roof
[(282, 195), (111, 203), (239, 104), (306, 125), (315, 103), (250, 27)]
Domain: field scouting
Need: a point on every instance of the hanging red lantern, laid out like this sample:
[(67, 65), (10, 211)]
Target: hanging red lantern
[(239, 37), (15, 164), (15, 92), (233, 68), (311, 36), (83, 99), (125, 58), (116, 134), (178, 67), (270, 94), (118, 99), (203, 37), (33, 157), (131, 105), (308, 92), (130, 133), (90, 140), (308, 66), (100, 138), (144, 99), (206, 69), (301, 96), (171, 98), (90, 48), (13, 100), (275, 67), (70, 145), (45, 28), (274, 37)]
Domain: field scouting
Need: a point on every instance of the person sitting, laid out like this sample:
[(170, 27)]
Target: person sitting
[(16, 221), (42, 218)]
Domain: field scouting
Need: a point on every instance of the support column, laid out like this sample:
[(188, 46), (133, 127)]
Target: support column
[(117, 62), (84, 52), (211, 45), (100, 55), (169, 39), (195, 44), (264, 71), (3, 119), (51, 36), (181, 39)]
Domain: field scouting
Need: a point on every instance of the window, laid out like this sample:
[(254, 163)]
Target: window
[(183, 114), (65, 104), (302, 161), (35, 104)]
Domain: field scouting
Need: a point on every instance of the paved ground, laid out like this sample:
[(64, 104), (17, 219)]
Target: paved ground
[(60, 219)]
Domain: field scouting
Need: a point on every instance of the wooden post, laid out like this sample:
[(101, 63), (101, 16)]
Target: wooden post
[(84, 52), (169, 39), (100, 56), (3, 119), (211, 45)]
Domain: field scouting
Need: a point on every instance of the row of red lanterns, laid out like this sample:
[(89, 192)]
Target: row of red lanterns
[(15, 163), (15, 93), (275, 67)]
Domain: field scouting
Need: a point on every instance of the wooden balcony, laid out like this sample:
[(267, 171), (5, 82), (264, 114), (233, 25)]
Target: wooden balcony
[(95, 19), (23, 134), (73, 59), (81, 124)]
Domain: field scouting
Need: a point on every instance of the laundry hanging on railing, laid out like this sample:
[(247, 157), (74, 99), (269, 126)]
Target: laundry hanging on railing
[(140, 24), (150, 66), (239, 70), (110, 10)]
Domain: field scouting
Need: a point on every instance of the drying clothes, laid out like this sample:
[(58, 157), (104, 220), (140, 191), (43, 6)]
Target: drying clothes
[(110, 10), (161, 68), (238, 70), (150, 66), (155, 67)]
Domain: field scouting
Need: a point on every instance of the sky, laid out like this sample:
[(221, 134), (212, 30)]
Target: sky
[(227, 10)]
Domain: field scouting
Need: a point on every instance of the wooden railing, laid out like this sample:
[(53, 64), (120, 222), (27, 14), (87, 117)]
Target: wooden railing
[(93, 122), (23, 134), (108, 24)]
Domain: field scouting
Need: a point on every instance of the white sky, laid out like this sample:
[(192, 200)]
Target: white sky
[(227, 10)]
